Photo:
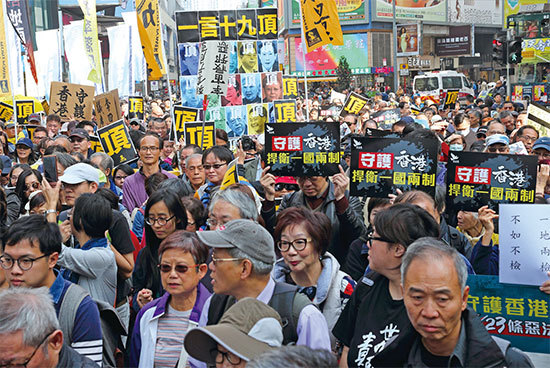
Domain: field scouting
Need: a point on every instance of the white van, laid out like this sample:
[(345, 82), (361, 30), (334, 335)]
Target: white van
[(434, 85)]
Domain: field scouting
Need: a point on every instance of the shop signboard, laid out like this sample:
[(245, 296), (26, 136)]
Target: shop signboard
[(420, 10), (350, 10)]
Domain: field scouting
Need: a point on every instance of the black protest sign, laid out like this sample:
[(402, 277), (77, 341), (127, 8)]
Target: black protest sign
[(380, 133), (135, 107), (187, 24), (115, 141), (285, 111), (379, 166), (451, 98), (290, 87), (194, 134), (354, 104), (303, 149), (183, 115), (95, 144), (30, 130), (23, 109), (6, 111), (386, 118), (476, 179)]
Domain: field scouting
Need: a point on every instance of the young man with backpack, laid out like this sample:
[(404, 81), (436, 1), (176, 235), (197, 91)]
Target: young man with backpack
[(242, 260)]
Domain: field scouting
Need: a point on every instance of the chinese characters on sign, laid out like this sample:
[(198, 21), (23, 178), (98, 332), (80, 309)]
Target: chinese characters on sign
[(285, 111), (386, 118), (381, 165), (303, 149), (135, 107), (71, 101), (451, 98), (194, 134), (183, 115), (6, 111), (476, 179), (115, 141), (107, 108), (23, 109), (213, 73), (524, 243), (354, 104), (290, 87), (321, 24)]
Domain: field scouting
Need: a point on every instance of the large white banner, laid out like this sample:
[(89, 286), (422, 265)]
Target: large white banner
[(119, 59), (478, 12), (138, 67), (47, 64), (15, 60)]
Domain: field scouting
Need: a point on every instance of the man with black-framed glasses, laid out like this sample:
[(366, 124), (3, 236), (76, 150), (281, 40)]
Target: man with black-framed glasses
[(29, 255), (30, 335)]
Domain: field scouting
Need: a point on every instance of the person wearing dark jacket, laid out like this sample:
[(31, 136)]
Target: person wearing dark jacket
[(443, 330), (327, 196)]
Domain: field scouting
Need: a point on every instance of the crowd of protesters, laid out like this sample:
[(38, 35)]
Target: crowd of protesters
[(156, 264)]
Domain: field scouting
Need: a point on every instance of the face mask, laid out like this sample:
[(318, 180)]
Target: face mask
[(463, 133), (456, 147)]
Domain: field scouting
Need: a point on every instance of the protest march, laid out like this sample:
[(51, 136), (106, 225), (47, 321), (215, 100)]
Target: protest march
[(212, 183)]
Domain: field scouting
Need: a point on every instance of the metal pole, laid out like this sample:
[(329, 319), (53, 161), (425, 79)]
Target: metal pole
[(394, 41), (508, 85), (304, 51), (8, 47), (61, 44)]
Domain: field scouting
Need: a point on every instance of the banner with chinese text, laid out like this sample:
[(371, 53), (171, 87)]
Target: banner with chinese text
[(354, 104), (386, 118), (95, 144), (285, 111), (539, 117), (4, 58), (213, 70), (116, 142), (71, 101), (379, 166), (320, 24), (135, 107), (6, 111), (23, 109), (148, 17), (91, 42), (107, 108), (451, 98), (183, 115), (195, 134), (303, 149), (476, 179)]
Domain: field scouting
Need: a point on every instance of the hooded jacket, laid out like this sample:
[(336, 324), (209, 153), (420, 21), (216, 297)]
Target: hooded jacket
[(475, 348), (334, 288)]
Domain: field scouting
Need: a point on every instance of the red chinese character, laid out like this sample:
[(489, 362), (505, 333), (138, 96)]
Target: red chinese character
[(384, 161), (463, 174), (482, 175), (294, 143), (366, 160), (279, 143)]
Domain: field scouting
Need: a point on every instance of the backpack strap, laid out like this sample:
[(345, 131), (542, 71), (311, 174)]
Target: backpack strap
[(218, 305), (67, 311)]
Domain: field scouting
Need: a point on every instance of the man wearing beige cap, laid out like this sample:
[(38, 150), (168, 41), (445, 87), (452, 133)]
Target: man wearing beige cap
[(242, 259), (246, 330)]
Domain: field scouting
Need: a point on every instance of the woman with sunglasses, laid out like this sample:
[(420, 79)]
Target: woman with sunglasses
[(164, 214), (27, 183), (162, 324), (303, 237), (376, 311), (215, 161)]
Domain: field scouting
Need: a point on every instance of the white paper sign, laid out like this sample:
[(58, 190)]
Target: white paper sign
[(213, 68), (524, 243)]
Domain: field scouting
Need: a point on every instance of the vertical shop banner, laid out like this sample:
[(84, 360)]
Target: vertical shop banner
[(379, 166), (303, 149), (420, 10), (91, 42), (135, 107), (201, 134), (4, 59), (116, 142), (517, 313), (524, 244), (71, 101), (539, 117), (23, 109), (107, 108), (213, 72), (183, 115), (149, 33), (386, 118), (476, 179), (320, 24), (354, 104), (6, 111), (408, 39), (285, 111)]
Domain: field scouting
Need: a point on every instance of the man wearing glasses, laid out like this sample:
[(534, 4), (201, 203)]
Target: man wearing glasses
[(497, 143), (134, 185), (31, 250), (30, 335)]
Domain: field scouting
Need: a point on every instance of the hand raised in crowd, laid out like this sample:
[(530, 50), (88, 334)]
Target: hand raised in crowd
[(144, 296), (341, 183), (267, 180), (542, 178), (240, 154), (392, 196), (486, 217), (52, 199), (65, 230), (545, 287)]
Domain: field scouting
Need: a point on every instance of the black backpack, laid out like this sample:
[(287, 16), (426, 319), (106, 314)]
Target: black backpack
[(286, 300)]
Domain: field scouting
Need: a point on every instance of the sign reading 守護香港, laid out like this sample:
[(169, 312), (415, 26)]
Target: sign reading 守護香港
[(476, 179), (379, 166), (303, 149)]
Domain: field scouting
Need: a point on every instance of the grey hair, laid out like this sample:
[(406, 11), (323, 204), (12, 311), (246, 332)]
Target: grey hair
[(258, 267), (433, 249), (106, 161), (504, 114), (65, 159), (299, 356), (193, 155), (245, 204), (30, 311)]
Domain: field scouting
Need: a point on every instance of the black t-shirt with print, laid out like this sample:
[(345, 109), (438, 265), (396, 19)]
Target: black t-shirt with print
[(369, 320)]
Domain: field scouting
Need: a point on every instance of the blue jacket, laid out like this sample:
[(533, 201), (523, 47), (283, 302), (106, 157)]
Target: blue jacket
[(485, 259)]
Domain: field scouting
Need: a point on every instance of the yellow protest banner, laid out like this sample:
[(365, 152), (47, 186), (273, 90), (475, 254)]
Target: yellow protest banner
[(91, 43), (148, 18), (4, 62), (6, 111), (231, 175), (320, 23)]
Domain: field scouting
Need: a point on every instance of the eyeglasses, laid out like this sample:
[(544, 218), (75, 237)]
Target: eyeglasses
[(544, 155), (297, 244), (120, 177), (190, 223), (150, 149), (527, 138), (165, 268), (371, 238), (287, 186), (161, 221), (34, 186), (22, 147), (24, 263), (76, 139), (219, 356), (212, 223), (216, 260), (24, 364), (498, 149), (215, 166)]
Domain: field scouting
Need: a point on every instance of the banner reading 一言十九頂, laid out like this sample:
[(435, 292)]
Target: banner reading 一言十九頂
[(516, 313)]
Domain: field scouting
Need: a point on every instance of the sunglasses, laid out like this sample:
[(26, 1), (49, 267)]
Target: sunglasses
[(165, 268), (34, 186), (287, 186), (215, 166), (497, 149)]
